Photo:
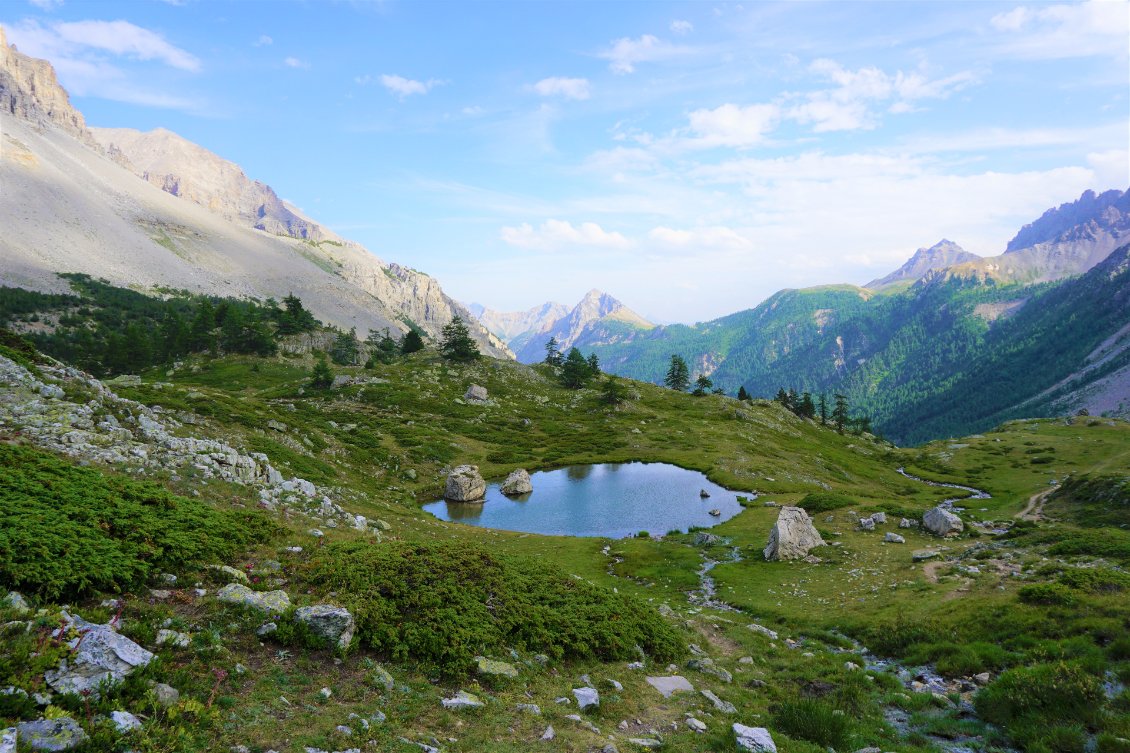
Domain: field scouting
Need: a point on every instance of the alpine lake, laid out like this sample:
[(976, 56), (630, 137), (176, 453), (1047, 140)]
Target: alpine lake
[(612, 500)]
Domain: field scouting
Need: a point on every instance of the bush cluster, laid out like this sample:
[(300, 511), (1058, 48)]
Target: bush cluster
[(67, 531), (442, 604), (1050, 692), (818, 502), (813, 720)]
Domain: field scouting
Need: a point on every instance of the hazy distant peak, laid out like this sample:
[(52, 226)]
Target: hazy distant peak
[(944, 253), (1080, 220)]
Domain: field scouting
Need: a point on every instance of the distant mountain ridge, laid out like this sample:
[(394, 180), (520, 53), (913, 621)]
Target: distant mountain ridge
[(942, 254), (154, 210), (598, 317)]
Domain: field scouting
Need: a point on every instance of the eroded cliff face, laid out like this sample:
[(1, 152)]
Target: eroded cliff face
[(30, 91)]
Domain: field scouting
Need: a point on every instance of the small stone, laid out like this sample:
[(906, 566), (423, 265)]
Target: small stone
[(920, 555), (16, 602), (867, 524), (754, 739), (342, 729), (380, 676), (982, 678), (167, 695), (893, 538), (586, 697), (266, 629), (160, 594), (724, 706), (124, 721), (668, 686), (549, 734), (530, 708), (326, 694), (646, 742), (495, 668), (173, 638), (696, 725), (707, 666), (462, 700)]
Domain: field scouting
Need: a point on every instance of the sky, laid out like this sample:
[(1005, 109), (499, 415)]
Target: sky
[(688, 158)]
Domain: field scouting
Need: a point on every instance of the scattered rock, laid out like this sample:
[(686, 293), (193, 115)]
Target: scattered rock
[(495, 668), (529, 708), (549, 734), (695, 724), (942, 522), (893, 538), (770, 634), (517, 483), (465, 484), (792, 536), (703, 494), (264, 601), (59, 734), (880, 518), (920, 555), (668, 686), (614, 685), (724, 706), (462, 700), (645, 742), (908, 523), (983, 678), (867, 524), (267, 628), (8, 740), (167, 695), (326, 694), (99, 654), (586, 697), (124, 721), (15, 601), (476, 394), (707, 667), (755, 739), (380, 676), (173, 638), (332, 624)]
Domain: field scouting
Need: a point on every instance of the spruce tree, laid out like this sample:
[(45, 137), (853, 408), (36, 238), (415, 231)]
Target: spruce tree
[(411, 342), (457, 343), (594, 364), (678, 375), (575, 372), (612, 392), (742, 394), (321, 377), (823, 408), (346, 348), (553, 355), (702, 385), (840, 413)]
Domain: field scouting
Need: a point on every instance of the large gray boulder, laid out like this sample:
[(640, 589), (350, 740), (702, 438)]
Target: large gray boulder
[(942, 522), (332, 624), (793, 535), (755, 739), (99, 654), (263, 601), (586, 697), (465, 484), (517, 483), (59, 734), (476, 394), (670, 685)]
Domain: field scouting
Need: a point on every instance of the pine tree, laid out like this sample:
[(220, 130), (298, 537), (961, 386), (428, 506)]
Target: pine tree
[(346, 348), (457, 343), (783, 398), (294, 317), (612, 392), (678, 375), (823, 408), (321, 377), (742, 394), (411, 342), (594, 364), (575, 372), (382, 348), (702, 385), (807, 408), (840, 413), (553, 355)]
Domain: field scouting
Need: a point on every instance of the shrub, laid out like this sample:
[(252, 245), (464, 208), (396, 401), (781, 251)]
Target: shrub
[(1035, 736), (1108, 743), (67, 531), (441, 604), (824, 501), (1046, 594), (812, 720), (1095, 580), (1119, 649), (1050, 692)]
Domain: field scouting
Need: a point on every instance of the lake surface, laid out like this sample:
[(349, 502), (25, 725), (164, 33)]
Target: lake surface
[(611, 499)]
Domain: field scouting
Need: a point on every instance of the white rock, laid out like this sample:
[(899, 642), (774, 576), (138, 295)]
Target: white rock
[(894, 538), (173, 638), (264, 601), (8, 740), (100, 654), (465, 484), (793, 535), (462, 700), (517, 483), (586, 697), (124, 721), (755, 739), (332, 624), (941, 522), (668, 686), (696, 725)]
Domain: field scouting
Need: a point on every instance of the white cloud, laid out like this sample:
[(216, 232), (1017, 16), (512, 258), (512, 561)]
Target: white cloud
[(404, 87), (263, 41), (681, 27), (558, 234), (705, 237), (472, 111), (569, 88), (626, 52), (125, 39), (293, 62), (732, 125), (1049, 32), (47, 5)]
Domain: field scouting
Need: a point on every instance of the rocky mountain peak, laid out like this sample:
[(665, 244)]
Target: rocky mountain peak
[(944, 253), (29, 90), (1085, 219)]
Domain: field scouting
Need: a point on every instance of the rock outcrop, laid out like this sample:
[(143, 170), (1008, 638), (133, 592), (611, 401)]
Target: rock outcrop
[(941, 522), (332, 624), (29, 90), (465, 484), (517, 483), (793, 536), (51, 735), (754, 739), (100, 654), (269, 602), (584, 324)]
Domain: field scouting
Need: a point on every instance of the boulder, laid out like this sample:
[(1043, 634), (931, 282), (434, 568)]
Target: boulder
[(462, 700), (124, 721), (894, 538), (517, 483), (15, 601), (332, 624), (8, 740), (708, 667), (99, 654), (476, 394), (942, 522), (867, 524), (173, 638), (724, 706), (668, 686), (755, 739), (880, 518), (166, 694), (586, 697), (264, 601), (465, 484), (487, 666), (793, 535), (921, 555), (59, 734), (230, 573), (907, 523)]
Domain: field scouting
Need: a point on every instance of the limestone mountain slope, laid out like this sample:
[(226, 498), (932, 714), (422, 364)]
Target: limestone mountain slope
[(942, 254), (598, 317), (512, 325), (69, 206)]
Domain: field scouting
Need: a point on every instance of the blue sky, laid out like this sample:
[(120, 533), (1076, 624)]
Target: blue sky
[(689, 158)]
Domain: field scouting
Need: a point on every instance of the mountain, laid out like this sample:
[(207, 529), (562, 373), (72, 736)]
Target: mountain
[(910, 356), (942, 254), (597, 319), (515, 327), (191, 221)]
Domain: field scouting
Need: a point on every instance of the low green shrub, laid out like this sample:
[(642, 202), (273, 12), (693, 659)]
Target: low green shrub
[(1046, 594), (441, 604), (1119, 649), (814, 721), (1052, 692), (1095, 579), (1035, 736), (817, 502), (1108, 743), (67, 531)]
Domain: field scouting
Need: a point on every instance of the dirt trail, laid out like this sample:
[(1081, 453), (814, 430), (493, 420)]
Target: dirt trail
[(1034, 510)]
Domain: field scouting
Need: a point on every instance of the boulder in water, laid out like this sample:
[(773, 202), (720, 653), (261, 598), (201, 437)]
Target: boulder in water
[(465, 484), (517, 483)]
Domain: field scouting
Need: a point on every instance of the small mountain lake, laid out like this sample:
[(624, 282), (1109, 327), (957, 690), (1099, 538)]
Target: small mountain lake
[(610, 499)]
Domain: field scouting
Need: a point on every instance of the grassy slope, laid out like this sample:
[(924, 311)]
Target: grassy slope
[(414, 422)]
